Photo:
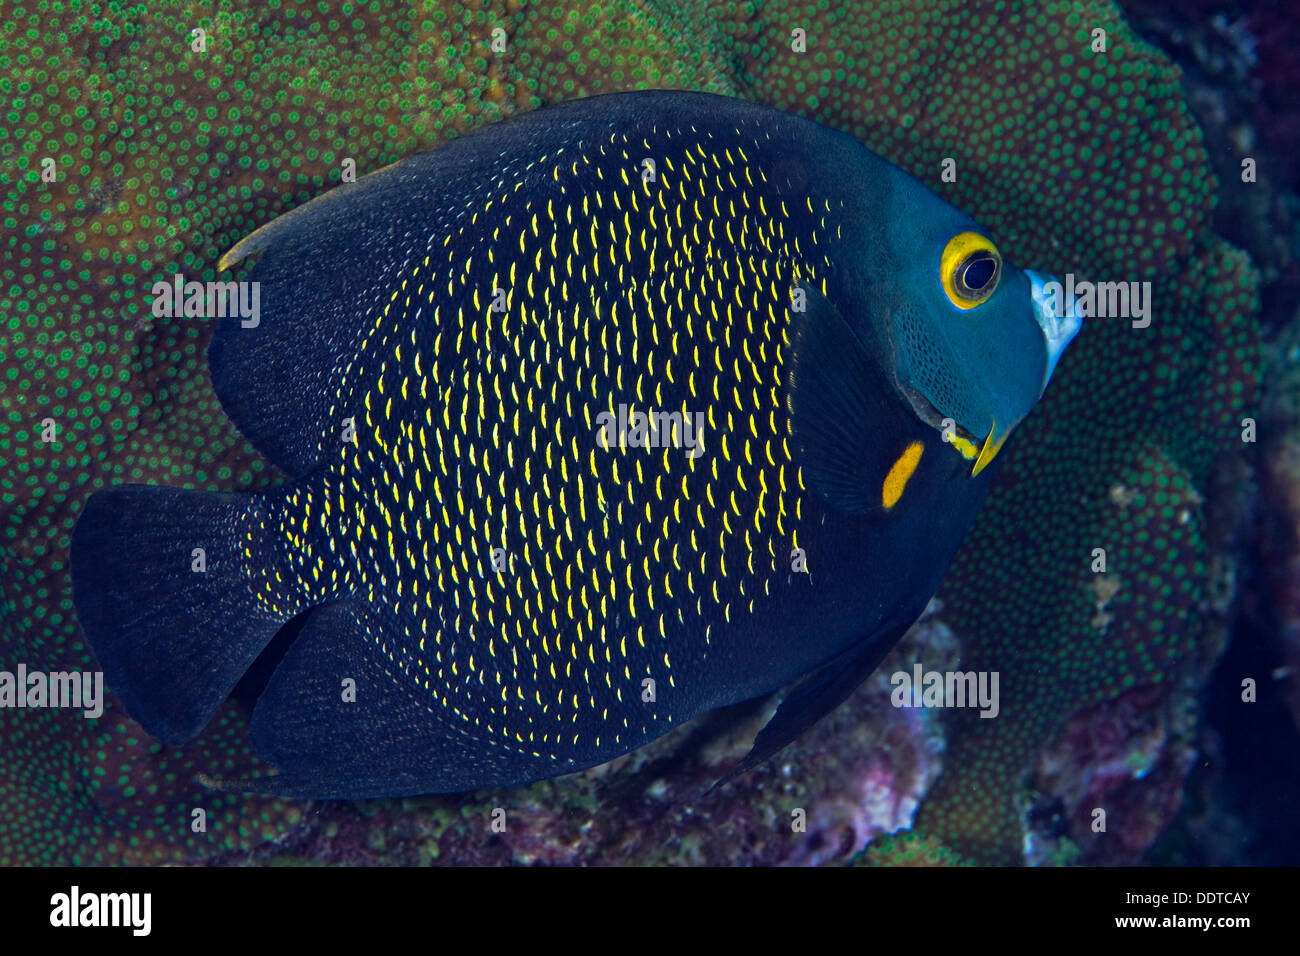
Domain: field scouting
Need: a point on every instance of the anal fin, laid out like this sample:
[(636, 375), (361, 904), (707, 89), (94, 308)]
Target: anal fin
[(341, 719)]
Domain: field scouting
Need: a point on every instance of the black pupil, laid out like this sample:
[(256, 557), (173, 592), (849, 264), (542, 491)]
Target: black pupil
[(979, 274)]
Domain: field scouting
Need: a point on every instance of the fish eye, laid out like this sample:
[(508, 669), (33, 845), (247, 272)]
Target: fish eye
[(969, 269)]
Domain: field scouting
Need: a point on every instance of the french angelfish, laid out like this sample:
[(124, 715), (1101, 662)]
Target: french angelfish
[(599, 418)]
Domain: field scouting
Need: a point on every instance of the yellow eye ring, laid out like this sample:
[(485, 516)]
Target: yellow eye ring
[(969, 269)]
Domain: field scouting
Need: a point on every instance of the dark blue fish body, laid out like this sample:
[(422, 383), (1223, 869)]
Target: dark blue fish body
[(600, 418)]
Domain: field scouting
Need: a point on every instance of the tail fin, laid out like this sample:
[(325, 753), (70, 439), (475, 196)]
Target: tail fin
[(171, 638)]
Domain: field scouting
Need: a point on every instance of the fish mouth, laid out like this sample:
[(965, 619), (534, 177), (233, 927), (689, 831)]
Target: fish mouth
[(1060, 322)]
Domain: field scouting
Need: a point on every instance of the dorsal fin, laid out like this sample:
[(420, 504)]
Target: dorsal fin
[(324, 271), (327, 268)]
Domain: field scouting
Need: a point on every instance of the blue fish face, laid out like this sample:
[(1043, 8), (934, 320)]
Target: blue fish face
[(973, 337)]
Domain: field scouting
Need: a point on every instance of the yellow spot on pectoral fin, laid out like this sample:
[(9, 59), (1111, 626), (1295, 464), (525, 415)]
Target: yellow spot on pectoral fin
[(900, 474)]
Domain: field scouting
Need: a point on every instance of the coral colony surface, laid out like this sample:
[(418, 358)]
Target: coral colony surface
[(1142, 522)]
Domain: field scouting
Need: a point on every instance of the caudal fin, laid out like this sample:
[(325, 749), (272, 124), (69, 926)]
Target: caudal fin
[(172, 629)]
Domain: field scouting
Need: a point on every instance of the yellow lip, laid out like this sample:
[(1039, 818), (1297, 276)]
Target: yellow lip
[(992, 445)]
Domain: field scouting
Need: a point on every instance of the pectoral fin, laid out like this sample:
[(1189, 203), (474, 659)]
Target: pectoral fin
[(835, 390)]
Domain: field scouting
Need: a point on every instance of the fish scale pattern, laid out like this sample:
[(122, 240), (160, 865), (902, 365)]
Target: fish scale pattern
[(575, 288)]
